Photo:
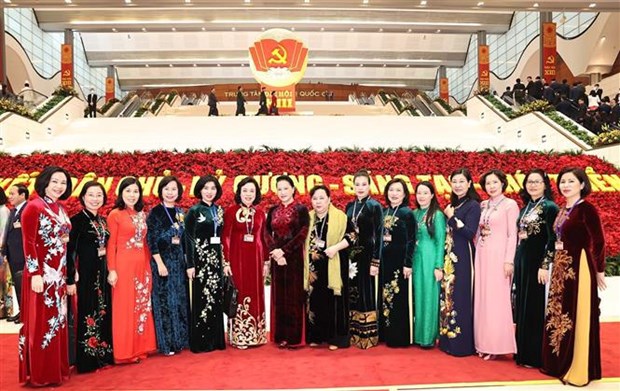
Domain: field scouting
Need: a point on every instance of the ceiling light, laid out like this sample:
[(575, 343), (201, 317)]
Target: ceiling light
[(114, 29), (480, 3), (381, 30), (171, 65), (144, 29), (233, 29), (313, 64), (365, 1), (438, 31), (146, 65), (292, 28), (242, 64), (306, 1), (247, 1), (592, 5), (262, 29), (7, 1), (370, 23), (139, 22), (535, 5), (407, 66), (423, 2), (351, 29), (384, 65), (68, 1), (337, 65), (174, 29), (195, 65), (127, 1), (322, 28), (188, 1), (219, 65), (409, 30), (204, 29), (361, 65)]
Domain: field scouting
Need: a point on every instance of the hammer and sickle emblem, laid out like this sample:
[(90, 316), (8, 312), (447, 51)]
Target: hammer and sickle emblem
[(550, 60), (279, 55)]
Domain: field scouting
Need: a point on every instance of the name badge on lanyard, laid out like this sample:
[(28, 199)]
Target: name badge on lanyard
[(216, 240), (248, 238), (320, 243), (101, 251), (522, 235), (559, 245), (17, 224), (176, 240)]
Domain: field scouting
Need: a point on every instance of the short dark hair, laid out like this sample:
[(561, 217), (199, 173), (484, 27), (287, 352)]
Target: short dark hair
[(472, 194), (405, 191), (581, 175), (499, 174), (87, 186), (201, 184), (362, 174), (3, 198), (165, 181), (126, 182), (548, 194), (22, 189), (43, 181), (287, 179), (244, 182), (320, 187)]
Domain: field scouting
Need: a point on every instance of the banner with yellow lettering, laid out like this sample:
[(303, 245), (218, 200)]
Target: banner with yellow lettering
[(66, 65), (549, 51), (484, 69), (307, 169)]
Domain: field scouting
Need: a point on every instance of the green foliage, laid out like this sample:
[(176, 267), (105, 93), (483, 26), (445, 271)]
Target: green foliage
[(570, 126), (12, 107), (107, 105), (612, 265), (609, 137), (65, 91), (171, 97), (49, 105), (156, 105), (506, 110)]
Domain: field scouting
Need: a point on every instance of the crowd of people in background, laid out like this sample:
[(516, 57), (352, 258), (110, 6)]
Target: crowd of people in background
[(593, 110), (392, 272)]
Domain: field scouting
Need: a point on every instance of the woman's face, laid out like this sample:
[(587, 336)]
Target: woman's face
[(131, 195), (460, 185), (492, 185), (361, 186), (320, 201), (570, 187), (208, 192), (535, 186), (285, 191), (170, 193), (93, 199), (248, 194), (396, 193), (57, 186), (424, 196)]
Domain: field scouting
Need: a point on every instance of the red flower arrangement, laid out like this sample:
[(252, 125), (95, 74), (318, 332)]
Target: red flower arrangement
[(90, 321), (331, 166), (92, 342)]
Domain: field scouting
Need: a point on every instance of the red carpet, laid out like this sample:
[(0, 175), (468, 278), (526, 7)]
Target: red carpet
[(270, 368)]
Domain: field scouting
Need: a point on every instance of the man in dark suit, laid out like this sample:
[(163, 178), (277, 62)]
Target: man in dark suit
[(598, 90), (13, 247), (91, 99), (262, 103), (537, 91), (529, 86), (565, 107), (564, 88), (212, 102), (240, 102), (518, 91)]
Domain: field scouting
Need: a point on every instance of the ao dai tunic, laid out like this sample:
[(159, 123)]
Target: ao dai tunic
[(396, 311), (133, 330), (428, 256), (493, 324), (533, 253), (170, 301), (202, 224), (43, 355)]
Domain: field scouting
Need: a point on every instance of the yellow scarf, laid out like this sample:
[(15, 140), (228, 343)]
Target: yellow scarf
[(336, 229)]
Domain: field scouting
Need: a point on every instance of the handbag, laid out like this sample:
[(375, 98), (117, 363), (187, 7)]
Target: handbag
[(230, 297)]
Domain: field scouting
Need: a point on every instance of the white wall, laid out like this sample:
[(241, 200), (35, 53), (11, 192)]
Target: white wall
[(20, 69)]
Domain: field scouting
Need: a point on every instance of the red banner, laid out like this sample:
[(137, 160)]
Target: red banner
[(549, 51), (443, 89), (109, 88), (66, 66), (484, 76)]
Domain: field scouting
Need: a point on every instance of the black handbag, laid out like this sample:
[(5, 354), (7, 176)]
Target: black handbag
[(230, 297)]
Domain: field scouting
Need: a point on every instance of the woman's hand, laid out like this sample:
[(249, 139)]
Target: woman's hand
[(508, 269), (438, 275), (71, 289), (191, 273), (277, 253), (600, 281), (281, 261), (227, 271), (543, 276), (36, 284), (112, 278), (407, 272), (330, 252), (449, 211), (162, 270)]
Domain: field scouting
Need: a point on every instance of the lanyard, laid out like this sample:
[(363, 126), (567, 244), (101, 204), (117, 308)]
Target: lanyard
[(421, 221), (316, 233), (213, 211), (563, 217), (60, 217), (356, 216), (175, 225), (489, 210), (528, 211), (392, 217), (249, 226)]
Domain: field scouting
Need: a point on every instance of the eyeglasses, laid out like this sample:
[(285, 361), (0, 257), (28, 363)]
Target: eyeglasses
[(534, 182)]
